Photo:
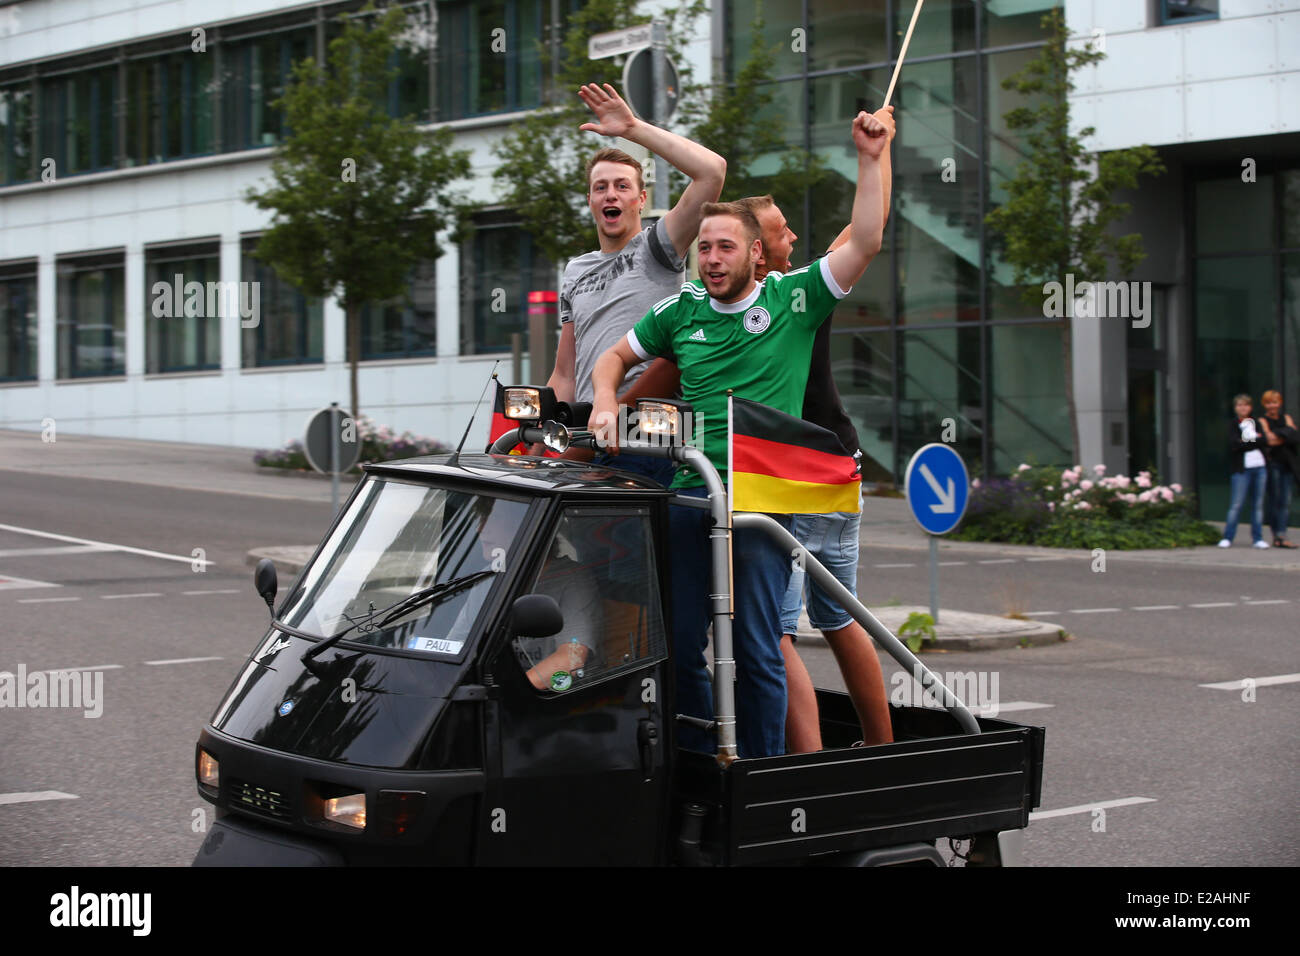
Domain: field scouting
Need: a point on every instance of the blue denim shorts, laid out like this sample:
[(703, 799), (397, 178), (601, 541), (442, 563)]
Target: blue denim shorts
[(833, 540)]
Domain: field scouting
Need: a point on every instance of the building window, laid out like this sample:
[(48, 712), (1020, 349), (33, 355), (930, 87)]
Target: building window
[(15, 133), (184, 306), (289, 327), (77, 121), (91, 326), (169, 111), (489, 56), (1182, 11), (255, 71), (499, 267), (406, 326), (18, 321)]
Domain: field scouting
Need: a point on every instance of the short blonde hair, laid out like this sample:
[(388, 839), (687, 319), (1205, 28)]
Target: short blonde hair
[(736, 210)]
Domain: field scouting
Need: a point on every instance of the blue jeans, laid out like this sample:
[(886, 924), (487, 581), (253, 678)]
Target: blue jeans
[(1251, 479), (761, 572), (1279, 498), (656, 469), (833, 540)]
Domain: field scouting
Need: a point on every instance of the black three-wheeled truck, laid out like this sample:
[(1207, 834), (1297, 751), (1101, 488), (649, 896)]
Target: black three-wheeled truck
[(475, 669)]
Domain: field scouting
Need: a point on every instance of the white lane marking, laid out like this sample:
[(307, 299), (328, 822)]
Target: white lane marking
[(118, 597), (108, 546), (64, 549), (1091, 610), (1060, 558), (1257, 681), (949, 564), (1271, 601), (1040, 613), (46, 600), (1089, 807), (993, 710), (183, 660), (1155, 607), (1216, 604), (894, 565), (998, 561), (223, 591), (35, 796), (8, 583)]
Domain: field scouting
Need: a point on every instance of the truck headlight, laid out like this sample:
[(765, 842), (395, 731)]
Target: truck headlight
[(209, 770), (529, 403), (350, 811), (665, 419)]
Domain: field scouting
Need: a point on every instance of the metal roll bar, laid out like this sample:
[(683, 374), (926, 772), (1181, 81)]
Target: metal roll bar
[(724, 662)]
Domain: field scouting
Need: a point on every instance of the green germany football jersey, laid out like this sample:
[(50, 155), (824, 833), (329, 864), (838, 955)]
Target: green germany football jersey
[(759, 347)]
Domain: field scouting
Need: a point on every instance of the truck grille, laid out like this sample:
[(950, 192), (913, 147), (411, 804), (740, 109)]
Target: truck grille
[(270, 803)]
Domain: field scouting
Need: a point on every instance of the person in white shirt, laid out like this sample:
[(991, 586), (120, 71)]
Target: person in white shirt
[(1246, 444)]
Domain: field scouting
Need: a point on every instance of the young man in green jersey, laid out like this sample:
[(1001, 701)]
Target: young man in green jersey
[(731, 332)]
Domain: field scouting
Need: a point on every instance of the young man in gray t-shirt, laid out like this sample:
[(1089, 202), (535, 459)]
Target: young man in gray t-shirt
[(605, 292)]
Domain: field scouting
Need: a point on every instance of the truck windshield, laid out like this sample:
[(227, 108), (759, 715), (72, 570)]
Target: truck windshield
[(397, 539)]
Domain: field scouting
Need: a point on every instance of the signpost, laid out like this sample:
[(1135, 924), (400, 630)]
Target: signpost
[(937, 487), (650, 82), (331, 439)]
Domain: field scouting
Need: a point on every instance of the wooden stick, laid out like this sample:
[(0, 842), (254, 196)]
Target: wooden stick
[(889, 94)]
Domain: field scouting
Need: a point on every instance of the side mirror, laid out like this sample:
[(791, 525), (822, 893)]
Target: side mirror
[(536, 615), (266, 583)]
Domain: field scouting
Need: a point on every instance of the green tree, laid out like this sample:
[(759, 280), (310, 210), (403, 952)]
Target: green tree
[(358, 196), (1060, 204), (735, 120)]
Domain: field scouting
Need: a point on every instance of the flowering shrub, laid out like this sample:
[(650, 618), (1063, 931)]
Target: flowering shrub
[(378, 443), (1081, 508)]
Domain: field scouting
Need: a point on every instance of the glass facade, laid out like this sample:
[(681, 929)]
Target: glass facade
[(76, 120), (18, 321), (489, 56), (183, 321), (407, 326), (90, 336), (500, 266), (935, 334), (1247, 308), (290, 328)]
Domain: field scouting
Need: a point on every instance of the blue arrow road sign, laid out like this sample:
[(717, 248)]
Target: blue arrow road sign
[(937, 488)]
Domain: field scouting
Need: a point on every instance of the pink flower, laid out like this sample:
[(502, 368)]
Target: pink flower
[(1123, 481), (1051, 506), (1145, 496), (975, 483), (1100, 469), (1050, 488), (1178, 489), (1083, 506), (1143, 481), (1167, 494), (1085, 485), (1023, 468)]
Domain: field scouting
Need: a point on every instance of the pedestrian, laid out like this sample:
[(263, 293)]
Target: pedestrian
[(731, 332), (1282, 449), (604, 292), (1246, 457)]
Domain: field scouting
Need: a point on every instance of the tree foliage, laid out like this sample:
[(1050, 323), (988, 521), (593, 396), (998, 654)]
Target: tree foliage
[(359, 197), (1060, 207)]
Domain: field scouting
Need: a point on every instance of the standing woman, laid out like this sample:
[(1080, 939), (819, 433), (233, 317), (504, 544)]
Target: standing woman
[(1281, 447), (1246, 454)]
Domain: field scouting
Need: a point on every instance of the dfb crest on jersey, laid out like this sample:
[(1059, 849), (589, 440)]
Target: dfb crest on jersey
[(757, 320)]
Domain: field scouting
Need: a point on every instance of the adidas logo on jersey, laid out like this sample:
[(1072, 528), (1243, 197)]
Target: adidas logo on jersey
[(697, 336)]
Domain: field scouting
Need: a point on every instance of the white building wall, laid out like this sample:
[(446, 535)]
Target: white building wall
[(203, 199), (1219, 79)]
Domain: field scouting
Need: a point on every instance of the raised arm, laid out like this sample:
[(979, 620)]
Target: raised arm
[(706, 169), (886, 116), (849, 261), (611, 368)]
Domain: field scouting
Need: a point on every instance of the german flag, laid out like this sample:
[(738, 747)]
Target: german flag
[(784, 465)]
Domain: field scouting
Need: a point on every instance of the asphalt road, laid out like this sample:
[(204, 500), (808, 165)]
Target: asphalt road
[(1201, 776)]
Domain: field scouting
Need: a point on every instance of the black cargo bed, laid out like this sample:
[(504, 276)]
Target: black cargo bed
[(934, 781)]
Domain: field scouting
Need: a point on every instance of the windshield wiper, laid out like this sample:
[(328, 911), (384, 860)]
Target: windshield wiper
[(398, 608)]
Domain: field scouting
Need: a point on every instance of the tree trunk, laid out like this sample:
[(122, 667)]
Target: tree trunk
[(354, 355)]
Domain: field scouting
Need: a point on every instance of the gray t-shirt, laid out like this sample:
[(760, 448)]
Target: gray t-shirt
[(604, 294)]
